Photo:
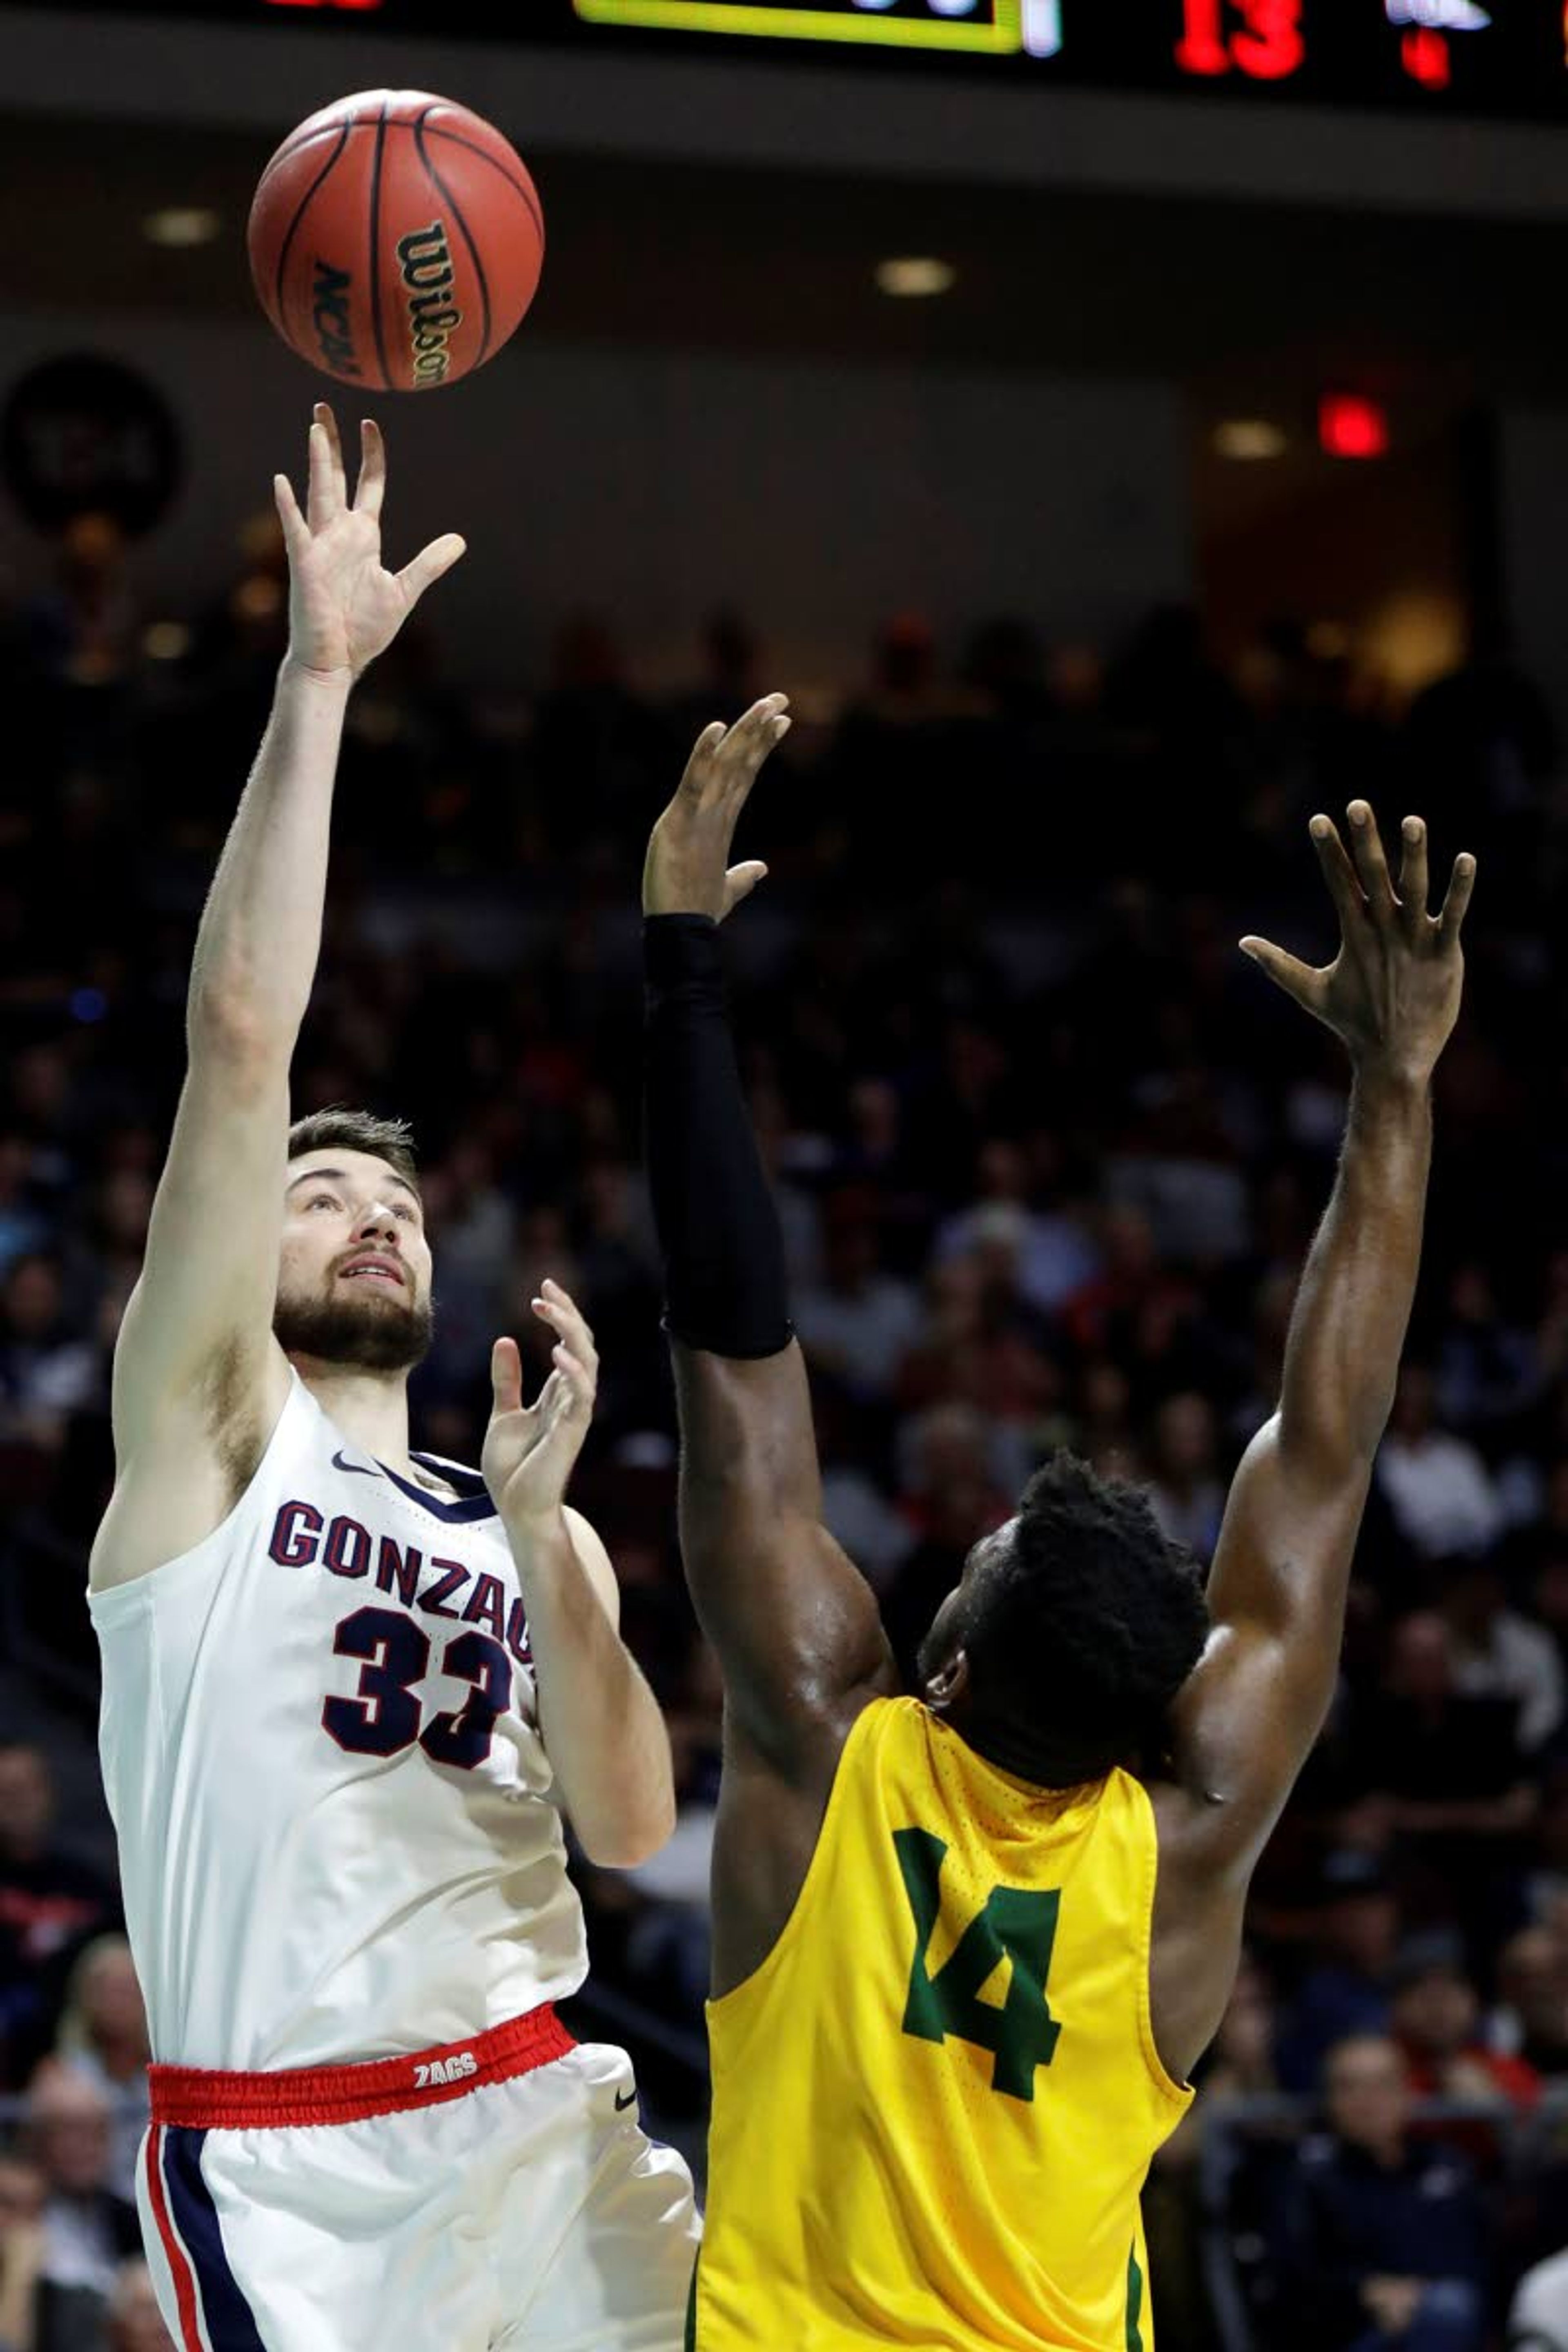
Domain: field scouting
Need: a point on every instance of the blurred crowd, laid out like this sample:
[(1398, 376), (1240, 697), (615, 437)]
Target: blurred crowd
[(1048, 1153)]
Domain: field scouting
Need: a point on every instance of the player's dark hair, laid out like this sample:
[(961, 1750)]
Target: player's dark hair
[(390, 1140), (1079, 1631)]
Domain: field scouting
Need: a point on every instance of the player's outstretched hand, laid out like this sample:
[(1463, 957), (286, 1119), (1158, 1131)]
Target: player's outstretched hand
[(1393, 991), (343, 608), (530, 1450), (688, 869)]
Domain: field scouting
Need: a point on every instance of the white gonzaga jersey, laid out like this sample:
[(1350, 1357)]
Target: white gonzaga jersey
[(322, 1751)]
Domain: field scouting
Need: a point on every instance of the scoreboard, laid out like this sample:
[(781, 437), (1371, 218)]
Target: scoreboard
[(1437, 57), (1465, 55)]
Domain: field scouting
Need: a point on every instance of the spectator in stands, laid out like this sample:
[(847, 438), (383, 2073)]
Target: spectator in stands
[(1458, 1790), (82, 630), (136, 2322), (1186, 1487), (1530, 2020), (1497, 1654), (1104, 1435), (88, 2230), (951, 1497), (1488, 1369), (1383, 2236), (859, 1322), (1548, 1878), (24, 1224), (21, 2193), (1242, 2065), (1441, 1493), (1348, 1989), (48, 1371), (1436, 2019), (50, 1904), (103, 2038), (1056, 1253)]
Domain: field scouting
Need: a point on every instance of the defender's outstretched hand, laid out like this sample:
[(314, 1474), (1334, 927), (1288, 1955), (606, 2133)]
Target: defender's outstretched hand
[(530, 1450), (688, 871), (343, 608), (1393, 991)]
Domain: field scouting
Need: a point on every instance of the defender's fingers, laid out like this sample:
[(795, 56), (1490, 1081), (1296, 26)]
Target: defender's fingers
[(1301, 980), (430, 564), (1457, 904), (751, 739), (741, 880), (296, 529), (1337, 872), (1371, 865), (372, 488), (1414, 882), (699, 767), (506, 1376)]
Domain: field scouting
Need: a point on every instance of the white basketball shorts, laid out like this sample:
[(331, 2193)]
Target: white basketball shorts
[(488, 2196)]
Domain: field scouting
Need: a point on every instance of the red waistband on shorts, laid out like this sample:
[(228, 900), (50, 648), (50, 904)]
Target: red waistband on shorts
[(202, 2098)]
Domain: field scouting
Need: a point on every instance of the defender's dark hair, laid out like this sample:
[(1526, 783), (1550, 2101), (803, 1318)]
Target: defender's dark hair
[(1081, 1632), (390, 1140)]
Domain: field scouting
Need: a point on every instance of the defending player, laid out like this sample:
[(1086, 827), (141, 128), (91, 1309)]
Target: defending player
[(954, 2012), (338, 1678)]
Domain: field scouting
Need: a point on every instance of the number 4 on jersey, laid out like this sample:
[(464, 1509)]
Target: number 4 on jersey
[(1016, 1924)]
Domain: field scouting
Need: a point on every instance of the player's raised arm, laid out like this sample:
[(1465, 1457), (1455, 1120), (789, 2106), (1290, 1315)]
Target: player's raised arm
[(796, 1627), (198, 1377), (1250, 1714)]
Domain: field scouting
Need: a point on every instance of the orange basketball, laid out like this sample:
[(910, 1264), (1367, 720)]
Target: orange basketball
[(395, 240)]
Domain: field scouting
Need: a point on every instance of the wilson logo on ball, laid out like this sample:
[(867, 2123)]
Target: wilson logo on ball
[(434, 232), (330, 317), (433, 317)]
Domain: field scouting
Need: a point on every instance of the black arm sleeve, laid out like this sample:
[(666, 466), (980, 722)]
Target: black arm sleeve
[(725, 1287)]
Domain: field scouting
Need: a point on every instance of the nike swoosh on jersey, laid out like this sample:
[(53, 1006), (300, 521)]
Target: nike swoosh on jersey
[(362, 1469), (629, 2101)]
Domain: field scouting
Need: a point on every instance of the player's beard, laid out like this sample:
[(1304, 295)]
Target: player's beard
[(356, 1333)]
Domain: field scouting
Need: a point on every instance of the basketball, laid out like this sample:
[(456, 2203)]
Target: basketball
[(395, 240)]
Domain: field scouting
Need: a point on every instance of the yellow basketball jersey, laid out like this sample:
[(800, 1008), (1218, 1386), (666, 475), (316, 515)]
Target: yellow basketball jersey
[(935, 2102)]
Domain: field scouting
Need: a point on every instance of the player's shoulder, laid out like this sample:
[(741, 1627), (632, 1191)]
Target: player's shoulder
[(190, 1473)]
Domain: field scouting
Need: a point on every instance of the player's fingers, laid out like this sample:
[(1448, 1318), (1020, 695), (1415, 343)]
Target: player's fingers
[(1371, 865), (1299, 980), (296, 531), (325, 497), (1337, 872), (506, 1376), (698, 771), (741, 880), (430, 564), (1455, 905), (577, 1384), (372, 488), (328, 417), (753, 737), (1414, 882), (561, 1312)]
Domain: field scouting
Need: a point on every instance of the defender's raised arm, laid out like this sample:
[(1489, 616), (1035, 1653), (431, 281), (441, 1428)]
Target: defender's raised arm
[(198, 1377), (1250, 1714), (796, 1627)]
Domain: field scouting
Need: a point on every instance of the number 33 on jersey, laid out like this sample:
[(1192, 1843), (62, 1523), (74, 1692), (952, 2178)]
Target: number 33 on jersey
[(945, 2065)]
